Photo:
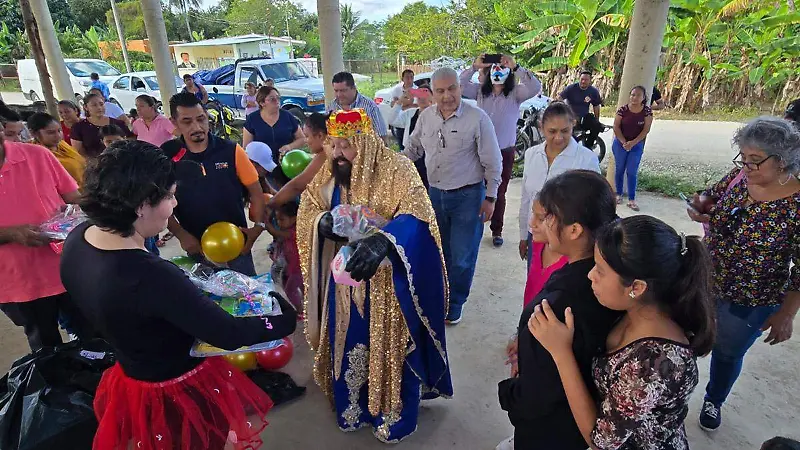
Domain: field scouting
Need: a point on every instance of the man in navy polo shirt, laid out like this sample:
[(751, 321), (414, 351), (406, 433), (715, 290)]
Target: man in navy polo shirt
[(579, 96), (220, 181)]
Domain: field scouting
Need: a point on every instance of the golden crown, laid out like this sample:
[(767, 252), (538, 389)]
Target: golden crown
[(346, 124)]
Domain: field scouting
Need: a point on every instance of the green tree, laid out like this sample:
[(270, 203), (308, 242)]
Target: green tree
[(11, 16), (89, 13), (351, 23), (130, 16), (184, 6), (265, 17)]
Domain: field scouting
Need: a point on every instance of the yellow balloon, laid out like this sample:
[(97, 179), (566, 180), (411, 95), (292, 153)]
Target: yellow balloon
[(222, 242), (242, 361)]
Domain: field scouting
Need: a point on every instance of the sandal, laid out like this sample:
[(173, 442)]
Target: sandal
[(632, 205)]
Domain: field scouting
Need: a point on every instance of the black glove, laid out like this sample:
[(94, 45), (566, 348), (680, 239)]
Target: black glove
[(326, 228), (368, 254)]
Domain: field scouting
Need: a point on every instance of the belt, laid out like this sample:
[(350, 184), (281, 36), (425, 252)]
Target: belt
[(462, 187)]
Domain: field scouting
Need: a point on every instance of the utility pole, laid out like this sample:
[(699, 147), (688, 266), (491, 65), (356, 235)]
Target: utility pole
[(646, 35), (121, 34), (291, 46), (330, 39), (49, 48), (32, 30), (159, 47)]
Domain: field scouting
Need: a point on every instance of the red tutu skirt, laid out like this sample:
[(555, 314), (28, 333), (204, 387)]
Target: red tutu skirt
[(210, 407)]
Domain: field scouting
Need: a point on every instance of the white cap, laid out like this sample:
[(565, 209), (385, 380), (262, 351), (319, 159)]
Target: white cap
[(261, 153)]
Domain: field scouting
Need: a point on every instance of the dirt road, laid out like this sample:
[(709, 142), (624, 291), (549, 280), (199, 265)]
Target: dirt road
[(765, 401)]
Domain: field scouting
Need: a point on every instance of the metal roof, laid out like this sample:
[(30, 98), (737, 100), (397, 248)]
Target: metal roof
[(238, 40)]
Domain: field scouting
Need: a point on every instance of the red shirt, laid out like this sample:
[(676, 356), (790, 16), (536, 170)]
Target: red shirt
[(632, 123), (32, 183), (65, 130)]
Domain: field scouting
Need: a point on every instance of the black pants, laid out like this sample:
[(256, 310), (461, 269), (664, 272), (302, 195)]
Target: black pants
[(39, 319), (591, 124)]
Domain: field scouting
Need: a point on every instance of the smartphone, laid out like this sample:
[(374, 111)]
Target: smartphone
[(688, 202), (493, 58)]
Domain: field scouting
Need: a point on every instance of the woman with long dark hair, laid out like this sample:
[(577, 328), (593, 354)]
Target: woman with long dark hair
[(503, 87), (158, 396), (576, 204), (661, 280)]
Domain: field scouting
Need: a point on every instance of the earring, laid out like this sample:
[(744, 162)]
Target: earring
[(788, 177), (632, 294)]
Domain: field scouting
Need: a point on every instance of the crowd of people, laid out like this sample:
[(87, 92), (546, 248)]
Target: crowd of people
[(614, 312)]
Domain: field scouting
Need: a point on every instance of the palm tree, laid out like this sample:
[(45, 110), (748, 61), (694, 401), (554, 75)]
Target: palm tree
[(351, 23), (183, 6)]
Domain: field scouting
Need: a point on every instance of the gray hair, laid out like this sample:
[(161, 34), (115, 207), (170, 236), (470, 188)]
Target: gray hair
[(773, 136), (443, 72)]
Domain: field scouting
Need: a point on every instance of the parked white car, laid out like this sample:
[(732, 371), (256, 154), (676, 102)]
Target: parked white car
[(79, 71), (383, 97), (124, 89)]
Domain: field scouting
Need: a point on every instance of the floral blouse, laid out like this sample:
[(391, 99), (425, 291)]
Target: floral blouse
[(752, 246), (644, 389)]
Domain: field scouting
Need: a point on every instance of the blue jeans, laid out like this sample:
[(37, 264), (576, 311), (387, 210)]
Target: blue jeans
[(627, 163), (461, 227), (738, 327)]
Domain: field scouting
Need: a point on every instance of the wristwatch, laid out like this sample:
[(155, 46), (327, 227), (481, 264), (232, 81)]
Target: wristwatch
[(490, 199), (260, 224)]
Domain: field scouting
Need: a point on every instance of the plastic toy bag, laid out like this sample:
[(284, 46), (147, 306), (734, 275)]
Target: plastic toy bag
[(61, 224), (355, 223)]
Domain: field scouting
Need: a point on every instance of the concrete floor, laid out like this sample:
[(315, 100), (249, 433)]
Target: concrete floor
[(765, 402)]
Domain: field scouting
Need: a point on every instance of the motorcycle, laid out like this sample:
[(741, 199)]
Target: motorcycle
[(529, 134), (220, 118)]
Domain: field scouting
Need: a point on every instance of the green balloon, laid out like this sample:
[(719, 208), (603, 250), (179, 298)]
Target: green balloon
[(294, 162), (183, 262)]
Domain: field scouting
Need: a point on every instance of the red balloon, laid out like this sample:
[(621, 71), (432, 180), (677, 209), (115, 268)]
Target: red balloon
[(276, 358)]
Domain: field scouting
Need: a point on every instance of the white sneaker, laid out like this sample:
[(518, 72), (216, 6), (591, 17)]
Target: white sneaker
[(506, 444)]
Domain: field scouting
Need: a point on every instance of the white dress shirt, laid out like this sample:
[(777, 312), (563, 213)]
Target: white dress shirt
[(537, 172)]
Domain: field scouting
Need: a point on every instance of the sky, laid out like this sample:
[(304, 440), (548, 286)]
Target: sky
[(372, 10)]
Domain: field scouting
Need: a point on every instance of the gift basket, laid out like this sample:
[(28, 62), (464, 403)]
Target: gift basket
[(353, 222), (61, 224), (239, 295)]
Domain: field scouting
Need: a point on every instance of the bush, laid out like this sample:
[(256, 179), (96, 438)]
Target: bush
[(140, 61)]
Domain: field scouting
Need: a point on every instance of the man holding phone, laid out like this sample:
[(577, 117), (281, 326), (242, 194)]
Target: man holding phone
[(502, 87)]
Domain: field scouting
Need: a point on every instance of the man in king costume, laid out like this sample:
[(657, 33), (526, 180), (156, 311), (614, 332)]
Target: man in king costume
[(380, 346)]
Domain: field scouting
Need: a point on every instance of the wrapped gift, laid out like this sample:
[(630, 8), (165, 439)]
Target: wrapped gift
[(61, 224)]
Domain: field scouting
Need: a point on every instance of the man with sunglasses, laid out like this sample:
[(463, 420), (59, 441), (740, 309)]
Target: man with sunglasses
[(753, 237), (464, 168)]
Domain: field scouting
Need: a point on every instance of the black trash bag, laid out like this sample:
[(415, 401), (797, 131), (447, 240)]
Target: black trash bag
[(279, 386), (46, 398)]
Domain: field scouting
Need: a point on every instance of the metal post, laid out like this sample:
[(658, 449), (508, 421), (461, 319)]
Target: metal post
[(159, 47), (330, 37), (121, 34), (52, 51), (648, 25)]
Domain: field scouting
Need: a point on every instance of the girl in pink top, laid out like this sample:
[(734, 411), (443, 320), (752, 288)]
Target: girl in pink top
[(249, 102), (543, 260), (151, 126)]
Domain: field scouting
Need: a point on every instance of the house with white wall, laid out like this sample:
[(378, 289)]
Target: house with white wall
[(213, 53)]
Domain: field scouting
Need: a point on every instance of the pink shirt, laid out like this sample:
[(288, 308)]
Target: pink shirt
[(538, 275), (159, 131), (32, 182)]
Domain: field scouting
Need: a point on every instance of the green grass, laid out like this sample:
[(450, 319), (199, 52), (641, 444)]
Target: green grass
[(9, 85), (667, 185), (715, 114)]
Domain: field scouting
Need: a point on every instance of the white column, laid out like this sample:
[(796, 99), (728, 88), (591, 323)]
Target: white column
[(330, 39), (646, 34), (159, 47), (121, 34), (52, 51)]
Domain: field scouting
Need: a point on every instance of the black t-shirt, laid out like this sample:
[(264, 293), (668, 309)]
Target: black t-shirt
[(580, 99), (151, 313), (535, 400), (656, 95)]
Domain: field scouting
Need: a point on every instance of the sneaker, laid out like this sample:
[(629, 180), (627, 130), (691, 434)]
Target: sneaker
[(506, 444), (497, 241), (455, 315), (710, 417)]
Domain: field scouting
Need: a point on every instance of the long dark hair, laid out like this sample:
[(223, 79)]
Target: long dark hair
[(580, 196), (486, 87), (676, 268)]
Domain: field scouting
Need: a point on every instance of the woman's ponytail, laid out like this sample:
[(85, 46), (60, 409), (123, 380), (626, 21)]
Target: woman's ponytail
[(693, 308)]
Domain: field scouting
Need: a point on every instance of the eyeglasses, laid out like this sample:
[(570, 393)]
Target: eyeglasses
[(750, 165), (273, 99)]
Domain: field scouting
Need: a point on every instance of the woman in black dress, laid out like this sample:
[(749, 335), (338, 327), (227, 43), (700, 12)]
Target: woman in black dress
[(157, 396), (578, 204), (661, 280)]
